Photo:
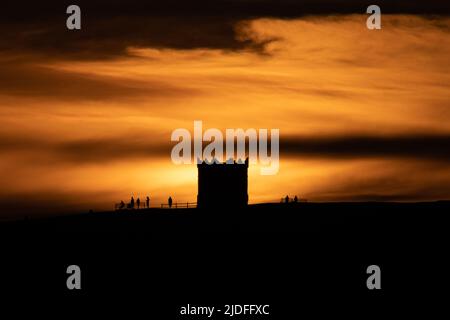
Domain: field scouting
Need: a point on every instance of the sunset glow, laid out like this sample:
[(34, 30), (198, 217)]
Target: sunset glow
[(79, 133)]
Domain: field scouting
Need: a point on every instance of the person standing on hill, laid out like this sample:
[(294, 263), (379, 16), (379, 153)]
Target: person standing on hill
[(138, 202), (147, 201), (170, 202)]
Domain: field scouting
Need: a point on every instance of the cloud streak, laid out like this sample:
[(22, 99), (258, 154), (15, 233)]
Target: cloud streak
[(435, 148), (419, 147), (110, 27), (31, 80)]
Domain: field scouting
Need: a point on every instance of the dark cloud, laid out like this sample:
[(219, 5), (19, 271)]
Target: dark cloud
[(146, 145), (28, 80), (109, 27), (429, 147), (94, 150), (110, 149)]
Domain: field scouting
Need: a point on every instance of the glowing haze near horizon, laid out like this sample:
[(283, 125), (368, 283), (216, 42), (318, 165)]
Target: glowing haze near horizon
[(80, 134)]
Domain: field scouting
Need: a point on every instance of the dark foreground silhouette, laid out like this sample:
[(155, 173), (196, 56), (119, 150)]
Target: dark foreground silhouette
[(286, 255), (301, 218)]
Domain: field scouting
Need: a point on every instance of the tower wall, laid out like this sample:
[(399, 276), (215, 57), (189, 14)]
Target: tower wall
[(222, 185)]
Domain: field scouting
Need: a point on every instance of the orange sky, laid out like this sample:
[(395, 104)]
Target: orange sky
[(81, 134)]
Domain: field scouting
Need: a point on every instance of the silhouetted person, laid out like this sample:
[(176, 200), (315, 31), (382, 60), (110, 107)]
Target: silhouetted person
[(295, 199), (147, 201), (286, 199), (132, 203), (170, 202), (138, 203), (122, 204)]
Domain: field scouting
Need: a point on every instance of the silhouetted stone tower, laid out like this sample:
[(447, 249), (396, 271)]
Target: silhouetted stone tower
[(222, 184)]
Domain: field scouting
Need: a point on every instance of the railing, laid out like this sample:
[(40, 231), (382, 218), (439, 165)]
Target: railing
[(127, 206), (177, 205)]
